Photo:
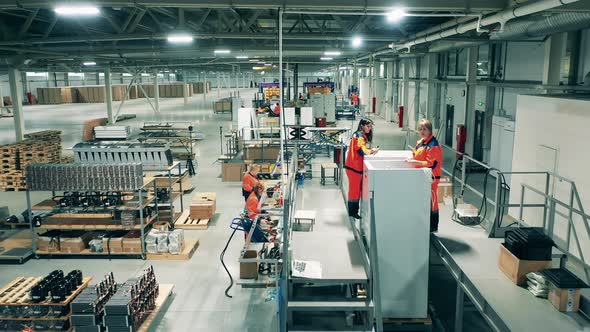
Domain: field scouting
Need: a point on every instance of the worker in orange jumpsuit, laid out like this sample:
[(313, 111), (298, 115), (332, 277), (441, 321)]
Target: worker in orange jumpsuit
[(276, 110), (357, 150), (428, 153), (354, 99), (250, 180), (253, 202)]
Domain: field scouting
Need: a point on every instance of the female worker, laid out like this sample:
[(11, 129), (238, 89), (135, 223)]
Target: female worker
[(354, 163), (428, 153), (250, 180), (253, 202)]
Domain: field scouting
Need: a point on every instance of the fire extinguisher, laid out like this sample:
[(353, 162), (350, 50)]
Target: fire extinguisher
[(461, 139), (374, 104), (400, 115)]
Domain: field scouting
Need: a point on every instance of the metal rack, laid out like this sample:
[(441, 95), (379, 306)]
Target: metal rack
[(171, 182), (138, 205)]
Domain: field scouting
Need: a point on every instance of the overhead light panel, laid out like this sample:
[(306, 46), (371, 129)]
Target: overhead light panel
[(357, 42), (253, 60), (89, 63), (335, 53), (242, 57), (268, 64), (326, 59), (80, 10), (396, 15), (222, 51), (180, 38)]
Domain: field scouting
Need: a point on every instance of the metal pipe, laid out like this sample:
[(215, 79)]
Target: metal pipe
[(499, 18), (108, 95), (380, 13)]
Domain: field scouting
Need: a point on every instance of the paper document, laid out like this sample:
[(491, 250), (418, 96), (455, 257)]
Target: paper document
[(306, 269)]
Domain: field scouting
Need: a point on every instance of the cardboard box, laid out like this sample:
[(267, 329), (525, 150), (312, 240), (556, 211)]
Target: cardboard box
[(203, 205), (114, 245), (249, 270), (565, 300), (516, 269), (445, 189), (232, 171), (256, 152)]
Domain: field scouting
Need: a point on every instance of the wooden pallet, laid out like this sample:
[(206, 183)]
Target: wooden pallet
[(16, 293), (186, 222), (190, 246), (163, 295)]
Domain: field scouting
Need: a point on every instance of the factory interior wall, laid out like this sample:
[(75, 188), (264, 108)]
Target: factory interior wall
[(584, 65), (564, 152), (524, 61)]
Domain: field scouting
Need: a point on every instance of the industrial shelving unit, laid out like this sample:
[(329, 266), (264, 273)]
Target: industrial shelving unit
[(171, 180), (137, 203)]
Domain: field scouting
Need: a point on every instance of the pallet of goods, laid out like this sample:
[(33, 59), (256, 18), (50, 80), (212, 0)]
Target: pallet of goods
[(38, 147), (202, 210), (40, 303)]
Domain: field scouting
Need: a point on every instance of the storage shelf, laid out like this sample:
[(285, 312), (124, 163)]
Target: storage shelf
[(88, 227), (32, 319), (86, 252)]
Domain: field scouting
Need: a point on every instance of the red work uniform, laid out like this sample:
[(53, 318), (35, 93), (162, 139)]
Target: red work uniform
[(429, 153), (248, 183), (354, 165), (277, 110), (354, 98)]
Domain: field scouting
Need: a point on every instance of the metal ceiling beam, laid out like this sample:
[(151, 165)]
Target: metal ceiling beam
[(155, 19), (112, 22), (136, 21), (137, 36), (28, 23), (475, 5)]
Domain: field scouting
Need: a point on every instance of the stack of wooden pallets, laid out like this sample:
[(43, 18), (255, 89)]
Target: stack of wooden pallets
[(38, 147)]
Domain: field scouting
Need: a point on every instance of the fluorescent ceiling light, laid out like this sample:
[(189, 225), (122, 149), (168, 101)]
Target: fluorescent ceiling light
[(80, 10), (145, 75), (89, 63), (253, 60), (258, 68), (396, 15), (127, 75), (242, 57), (180, 38), (357, 41), (222, 51), (332, 53), (262, 72), (268, 64), (326, 59)]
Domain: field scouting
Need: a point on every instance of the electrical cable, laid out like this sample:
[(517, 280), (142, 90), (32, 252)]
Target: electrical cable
[(231, 279)]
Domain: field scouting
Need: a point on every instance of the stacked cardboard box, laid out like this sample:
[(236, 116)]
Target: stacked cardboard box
[(39, 147), (83, 94), (59, 95), (232, 171), (203, 205)]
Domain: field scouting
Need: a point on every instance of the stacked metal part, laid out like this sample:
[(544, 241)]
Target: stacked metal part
[(85, 177), (153, 156), (132, 303), (112, 132), (87, 308)]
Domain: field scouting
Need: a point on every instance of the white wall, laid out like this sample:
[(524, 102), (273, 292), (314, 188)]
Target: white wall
[(525, 61), (552, 133)]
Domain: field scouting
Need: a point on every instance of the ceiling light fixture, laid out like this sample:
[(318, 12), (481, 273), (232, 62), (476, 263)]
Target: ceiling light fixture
[(180, 38), (336, 53), (326, 59), (357, 42), (80, 10), (268, 64), (89, 63), (242, 57), (396, 15), (222, 51), (253, 60)]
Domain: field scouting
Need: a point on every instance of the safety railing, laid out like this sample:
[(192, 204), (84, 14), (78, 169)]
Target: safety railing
[(497, 197)]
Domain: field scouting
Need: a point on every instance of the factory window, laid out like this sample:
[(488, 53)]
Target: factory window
[(483, 60), (452, 64)]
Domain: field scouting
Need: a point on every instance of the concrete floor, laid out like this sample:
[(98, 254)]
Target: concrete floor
[(199, 303)]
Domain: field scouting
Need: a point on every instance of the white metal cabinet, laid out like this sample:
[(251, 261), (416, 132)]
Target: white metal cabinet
[(401, 199)]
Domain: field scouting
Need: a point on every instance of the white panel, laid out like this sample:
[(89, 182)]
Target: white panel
[(290, 119), (401, 198), (380, 87), (390, 155), (330, 107), (245, 121), (364, 93), (525, 61), (306, 116), (317, 103)]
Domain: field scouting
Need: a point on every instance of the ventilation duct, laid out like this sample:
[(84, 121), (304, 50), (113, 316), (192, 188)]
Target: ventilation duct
[(543, 26)]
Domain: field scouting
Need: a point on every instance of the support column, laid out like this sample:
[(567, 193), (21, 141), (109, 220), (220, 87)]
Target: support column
[(405, 89), (417, 83), (431, 70), (470, 80), (184, 87), (156, 91), (16, 93), (389, 106), (97, 78), (554, 52), (66, 79), (218, 86), (205, 87), (108, 95), (355, 76), (296, 81)]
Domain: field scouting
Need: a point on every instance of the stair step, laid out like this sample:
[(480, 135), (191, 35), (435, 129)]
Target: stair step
[(330, 305)]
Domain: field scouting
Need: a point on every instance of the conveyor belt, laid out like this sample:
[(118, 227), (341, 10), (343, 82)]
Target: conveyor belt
[(472, 258)]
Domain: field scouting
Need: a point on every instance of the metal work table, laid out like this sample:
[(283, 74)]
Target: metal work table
[(472, 258), (332, 241)]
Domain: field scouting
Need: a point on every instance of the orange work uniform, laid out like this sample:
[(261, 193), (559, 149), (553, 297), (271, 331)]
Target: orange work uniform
[(354, 164), (249, 182), (252, 206), (429, 152)]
